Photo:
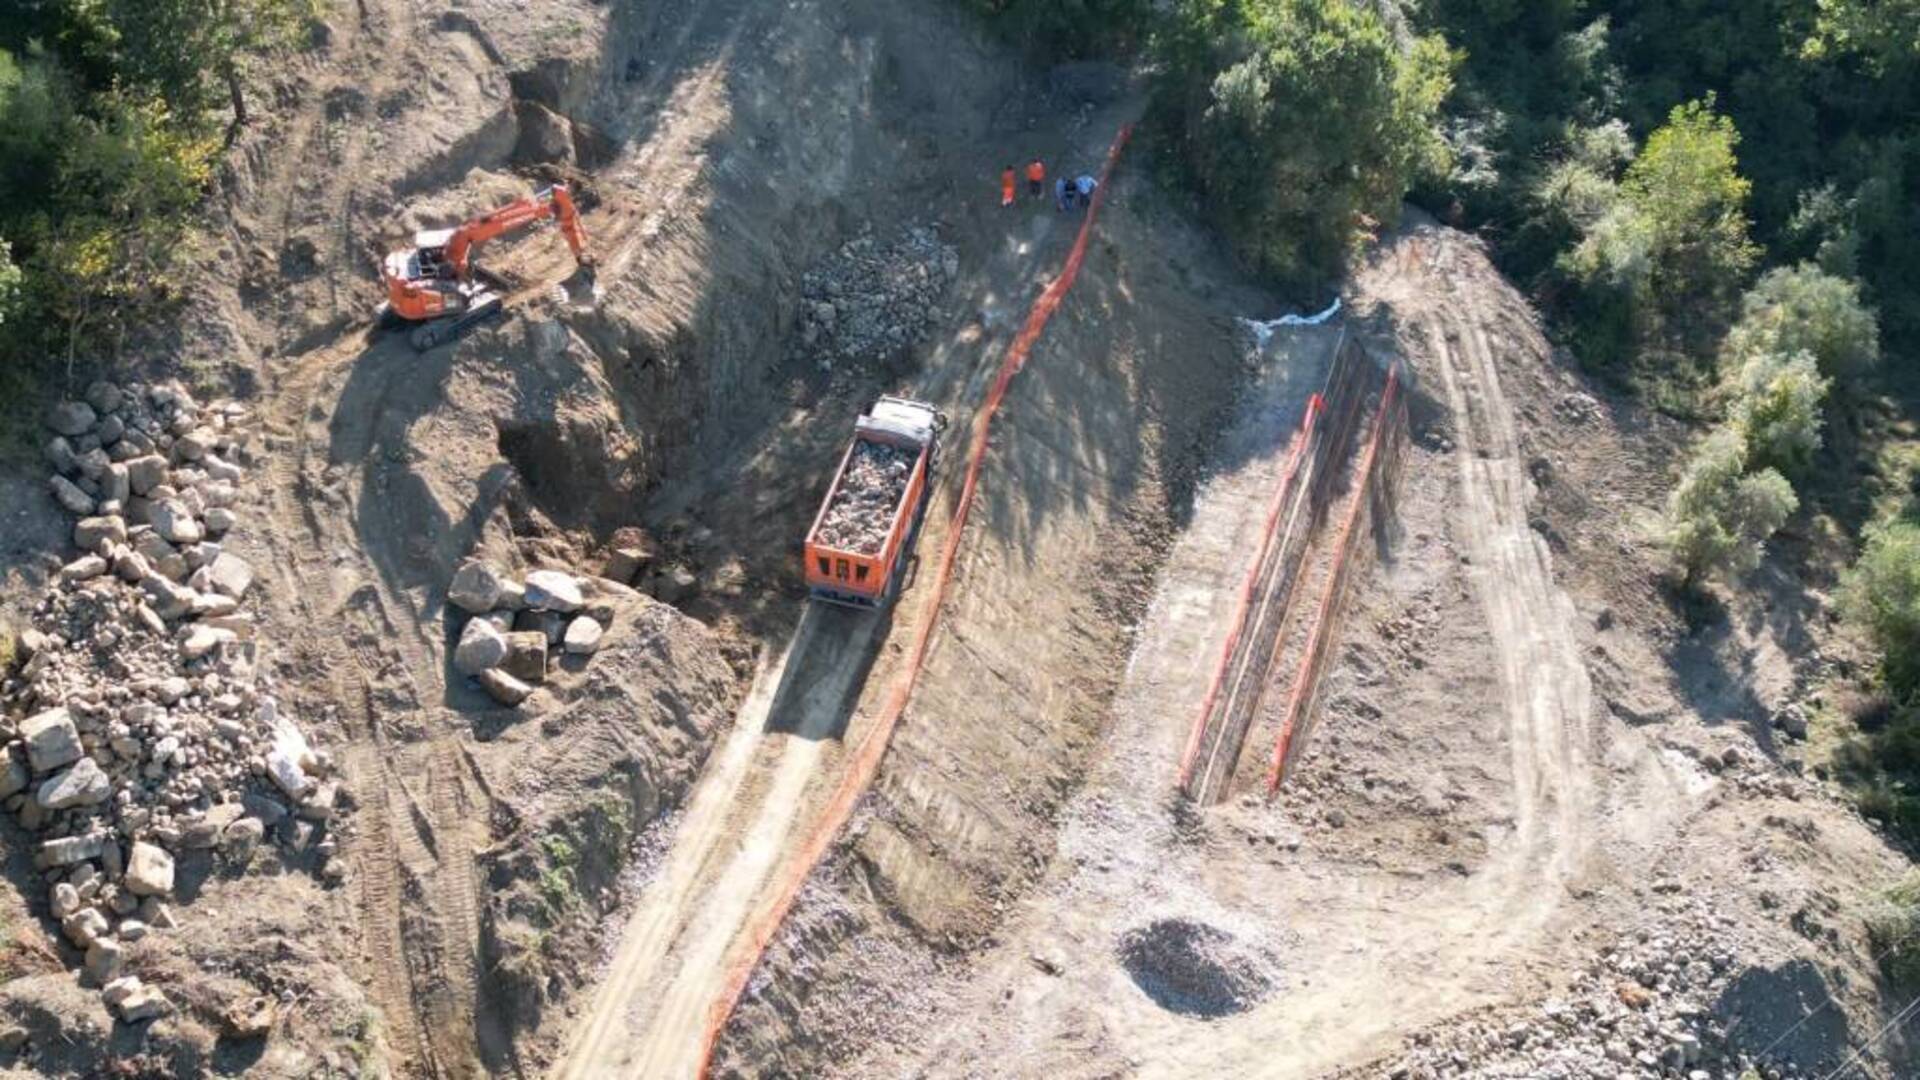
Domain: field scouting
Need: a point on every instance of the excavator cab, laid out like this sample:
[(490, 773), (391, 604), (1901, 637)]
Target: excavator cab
[(438, 287)]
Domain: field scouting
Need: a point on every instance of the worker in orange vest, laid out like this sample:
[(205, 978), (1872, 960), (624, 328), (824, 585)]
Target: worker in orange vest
[(1036, 176), (1006, 186)]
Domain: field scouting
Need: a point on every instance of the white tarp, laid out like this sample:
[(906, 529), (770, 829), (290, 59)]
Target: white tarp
[(1263, 329)]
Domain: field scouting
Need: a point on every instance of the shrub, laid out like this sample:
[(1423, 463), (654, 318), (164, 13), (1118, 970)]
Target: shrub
[(1806, 309), (1893, 931), (1675, 243), (1777, 410), (1720, 515), (1302, 120), (1881, 595)]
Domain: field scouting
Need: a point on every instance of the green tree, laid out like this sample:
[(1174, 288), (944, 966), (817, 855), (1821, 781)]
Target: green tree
[(1885, 32), (9, 281), (1777, 409), (1804, 309), (189, 51), (1304, 122), (1676, 243), (1881, 595), (1720, 515)]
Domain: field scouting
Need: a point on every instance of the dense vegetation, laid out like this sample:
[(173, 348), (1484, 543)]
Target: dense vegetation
[(112, 116)]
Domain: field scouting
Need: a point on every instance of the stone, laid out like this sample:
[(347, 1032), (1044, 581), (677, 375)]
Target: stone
[(70, 497), (503, 687), (675, 585), (231, 575), (63, 901), (551, 624), (583, 636), (146, 473), (513, 596), (196, 444), (114, 486), (85, 784), (104, 960), (83, 926), (88, 532), (287, 773), (84, 568), (132, 930), (552, 590), (169, 599), (319, 803), (149, 870), (71, 418), (68, 850), (60, 455), (220, 520), (241, 838), (105, 397), (13, 775), (145, 1003), (202, 639), (109, 430), (269, 811), (206, 832), (52, 740), (175, 522), (526, 658), (119, 990), (475, 587), (624, 564), (93, 464), (251, 1019), (482, 646), (155, 913)]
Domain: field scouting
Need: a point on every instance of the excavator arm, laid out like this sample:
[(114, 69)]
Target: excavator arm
[(555, 202)]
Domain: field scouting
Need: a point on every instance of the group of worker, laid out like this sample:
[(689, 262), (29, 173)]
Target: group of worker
[(1067, 194)]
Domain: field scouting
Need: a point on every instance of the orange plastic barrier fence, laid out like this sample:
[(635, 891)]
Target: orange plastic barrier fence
[(1243, 606), (866, 757), (1306, 680)]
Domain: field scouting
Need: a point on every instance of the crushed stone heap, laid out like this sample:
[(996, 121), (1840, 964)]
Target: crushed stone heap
[(863, 505), (517, 629), (868, 301), (138, 726)]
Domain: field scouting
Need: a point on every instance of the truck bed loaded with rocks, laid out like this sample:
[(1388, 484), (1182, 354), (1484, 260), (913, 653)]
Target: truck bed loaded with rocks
[(864, 532)]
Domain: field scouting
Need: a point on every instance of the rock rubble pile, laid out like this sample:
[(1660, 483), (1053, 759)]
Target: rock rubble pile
[(868, 301), (519, 628), (1194, 969), (863, 505), (1654, 1004), (138, 729)]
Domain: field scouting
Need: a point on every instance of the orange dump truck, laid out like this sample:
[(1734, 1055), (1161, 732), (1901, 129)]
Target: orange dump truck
[(858, 546)]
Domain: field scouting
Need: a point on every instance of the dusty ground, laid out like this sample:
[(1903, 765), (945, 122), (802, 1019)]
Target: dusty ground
[(1521, 753)]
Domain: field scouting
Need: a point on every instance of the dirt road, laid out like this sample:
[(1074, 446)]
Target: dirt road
[(648, 1016)]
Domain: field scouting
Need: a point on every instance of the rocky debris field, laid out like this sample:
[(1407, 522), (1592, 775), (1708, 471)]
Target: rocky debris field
[(519, 628), (138, 727), (863, 505), (1195, 969), (1670, 999), (869, 301)]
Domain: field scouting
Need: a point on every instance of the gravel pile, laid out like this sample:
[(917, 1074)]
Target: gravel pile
[(864, 503), (1660, 1003), (137, 727), (869, 302), (1194, 969)]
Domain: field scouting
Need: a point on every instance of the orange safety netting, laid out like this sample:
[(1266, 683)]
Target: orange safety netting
[(1307, 679), (865, 761), (1243, 606)]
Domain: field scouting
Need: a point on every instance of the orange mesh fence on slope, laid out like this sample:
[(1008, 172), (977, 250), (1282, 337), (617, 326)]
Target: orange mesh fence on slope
[(866, 757), (1243, 606), (1306, 681)]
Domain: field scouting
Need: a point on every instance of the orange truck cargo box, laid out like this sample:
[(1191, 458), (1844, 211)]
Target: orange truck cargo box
[(858, 546)]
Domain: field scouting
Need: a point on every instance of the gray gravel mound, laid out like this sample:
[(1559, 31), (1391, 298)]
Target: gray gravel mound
[(1194, 969)]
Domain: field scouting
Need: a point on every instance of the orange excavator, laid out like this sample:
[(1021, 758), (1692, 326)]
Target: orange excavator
[(436, 283)]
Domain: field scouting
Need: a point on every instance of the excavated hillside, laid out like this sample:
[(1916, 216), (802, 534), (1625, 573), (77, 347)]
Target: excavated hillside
[(532, 603)]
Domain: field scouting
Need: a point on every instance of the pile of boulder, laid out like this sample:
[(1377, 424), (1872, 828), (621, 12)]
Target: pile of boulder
[(863, 504), (1657, 1003), (137, 728), (519, 628), (871, 301)]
